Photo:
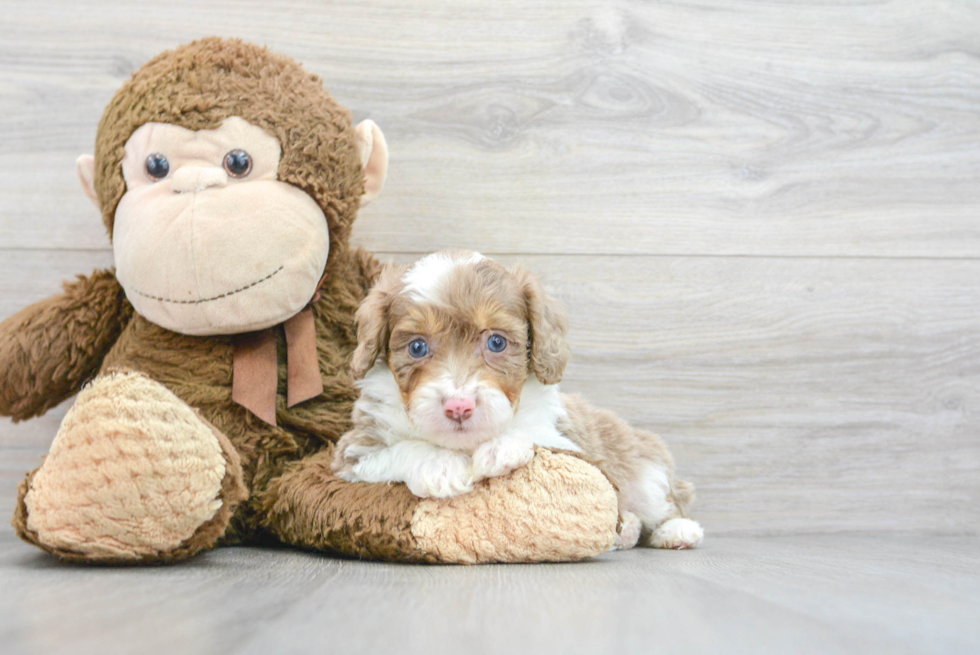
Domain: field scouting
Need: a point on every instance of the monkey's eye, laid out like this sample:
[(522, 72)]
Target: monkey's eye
[(157, 166), (496, 343), (238, 163), (418, 348)]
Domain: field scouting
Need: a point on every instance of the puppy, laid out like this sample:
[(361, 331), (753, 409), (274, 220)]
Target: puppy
[(458, 362)]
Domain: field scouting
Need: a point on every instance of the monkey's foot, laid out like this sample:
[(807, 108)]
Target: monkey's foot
[(558, 508), (134, 475)]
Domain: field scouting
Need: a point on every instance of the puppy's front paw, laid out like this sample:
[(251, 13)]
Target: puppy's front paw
[(344, 464), (353, 454), (442, 477), (500, 456), (677, 534)]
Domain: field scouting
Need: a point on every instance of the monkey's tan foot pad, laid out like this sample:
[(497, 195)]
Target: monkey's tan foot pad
[(558, 508), (134, 475)]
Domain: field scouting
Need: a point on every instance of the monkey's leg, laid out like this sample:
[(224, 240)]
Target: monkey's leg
[(133, 475), (557, 508)]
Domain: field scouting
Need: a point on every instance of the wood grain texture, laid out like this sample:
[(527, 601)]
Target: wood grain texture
[(710, 127), (855, 594)]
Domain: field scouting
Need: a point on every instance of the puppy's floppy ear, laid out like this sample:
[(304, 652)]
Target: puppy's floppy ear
[(547, 351), (372, 320)]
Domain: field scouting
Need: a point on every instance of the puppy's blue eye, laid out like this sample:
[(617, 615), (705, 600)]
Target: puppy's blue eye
[(157, 166), (418, 348), (496, 343)]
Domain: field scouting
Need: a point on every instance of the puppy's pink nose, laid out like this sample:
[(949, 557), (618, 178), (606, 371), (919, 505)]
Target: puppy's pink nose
[(459, 409)]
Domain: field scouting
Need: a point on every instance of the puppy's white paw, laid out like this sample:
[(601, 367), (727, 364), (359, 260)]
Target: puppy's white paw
[(348, 475), (629, 531), (442, 477), (351, 462), (677, 534), (500, 456)]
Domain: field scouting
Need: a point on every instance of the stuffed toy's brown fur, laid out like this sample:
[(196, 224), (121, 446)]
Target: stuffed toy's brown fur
[(155, 462)]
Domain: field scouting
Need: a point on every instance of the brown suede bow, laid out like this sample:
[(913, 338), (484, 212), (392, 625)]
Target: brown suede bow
[(255, 374), (256, 362)]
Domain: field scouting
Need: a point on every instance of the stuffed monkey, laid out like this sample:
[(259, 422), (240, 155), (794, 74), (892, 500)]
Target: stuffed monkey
[(211, 364)]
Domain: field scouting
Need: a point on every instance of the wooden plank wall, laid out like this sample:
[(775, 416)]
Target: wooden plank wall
[(762, 215)]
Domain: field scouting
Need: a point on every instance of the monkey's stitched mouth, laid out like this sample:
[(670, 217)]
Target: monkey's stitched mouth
[(202, 300)]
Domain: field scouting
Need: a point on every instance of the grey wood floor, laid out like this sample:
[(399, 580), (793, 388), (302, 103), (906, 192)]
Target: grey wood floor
[(805, 594), (764, 218)]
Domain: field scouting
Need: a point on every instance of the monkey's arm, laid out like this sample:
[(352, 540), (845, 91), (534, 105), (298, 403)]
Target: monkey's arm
[(48, 350)]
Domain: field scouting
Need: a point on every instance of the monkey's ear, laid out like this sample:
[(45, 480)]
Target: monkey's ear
[(372, 320), (548, 352), (86, 175), (374, 158)]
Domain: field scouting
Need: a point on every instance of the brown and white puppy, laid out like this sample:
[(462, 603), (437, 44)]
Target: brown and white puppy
[(458, 361)]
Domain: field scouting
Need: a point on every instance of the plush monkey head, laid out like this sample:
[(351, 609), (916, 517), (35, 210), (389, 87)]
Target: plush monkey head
[(227, 177)]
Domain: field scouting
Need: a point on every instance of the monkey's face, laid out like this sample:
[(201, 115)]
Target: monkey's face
[(206, 239)]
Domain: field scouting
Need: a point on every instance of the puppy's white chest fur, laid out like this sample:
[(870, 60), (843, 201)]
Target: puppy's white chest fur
[(381, 412)]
